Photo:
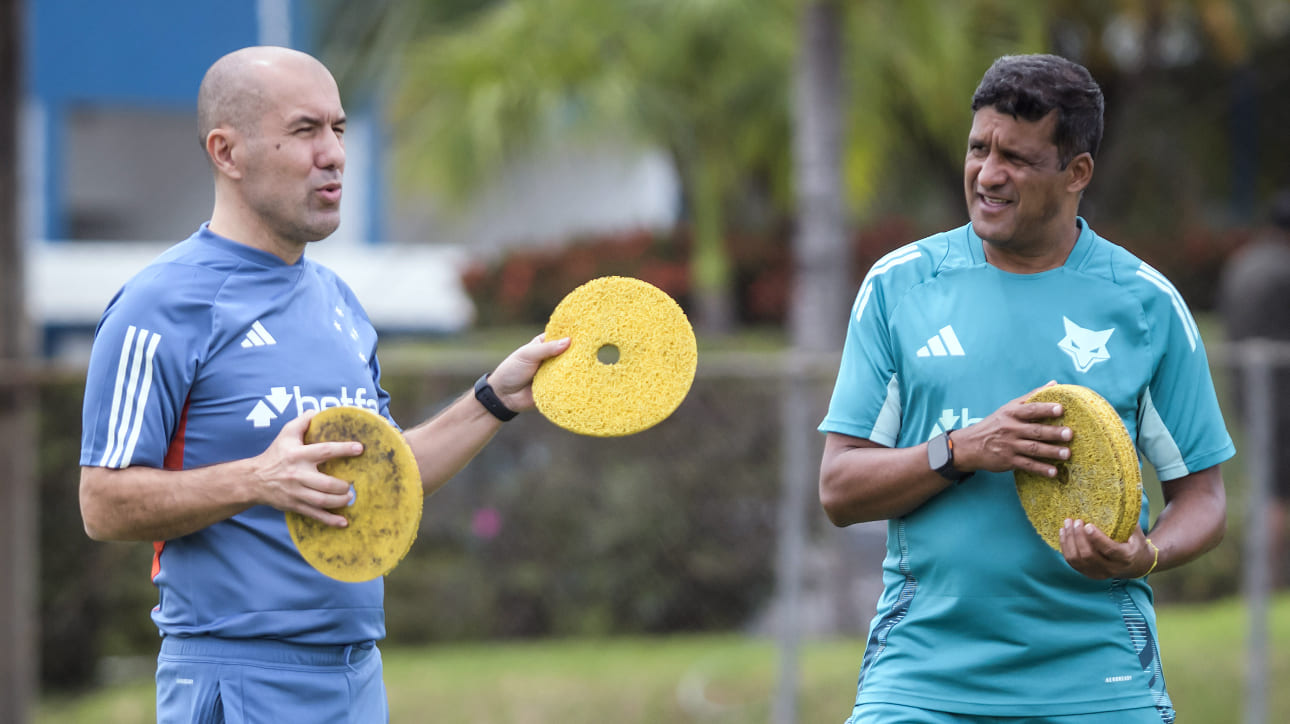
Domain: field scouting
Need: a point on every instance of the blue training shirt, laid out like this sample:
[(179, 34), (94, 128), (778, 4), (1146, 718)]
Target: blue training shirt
[(200, 359), (979, 615)]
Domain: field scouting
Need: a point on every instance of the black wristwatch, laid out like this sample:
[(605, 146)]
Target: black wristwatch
[(940, 456), (488, 398)]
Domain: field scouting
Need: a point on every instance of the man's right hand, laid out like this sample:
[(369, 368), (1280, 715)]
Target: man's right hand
[(1014, 437), (286, 475)]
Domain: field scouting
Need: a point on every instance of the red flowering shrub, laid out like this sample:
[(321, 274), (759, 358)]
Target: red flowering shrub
[(524, 286)]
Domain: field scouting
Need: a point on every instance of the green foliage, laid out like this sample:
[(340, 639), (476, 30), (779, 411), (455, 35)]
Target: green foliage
[(706, 80), (1190, 142), (85, 588), (709, 81), (71, 588), (357, 38), (595, 536), (475, 88), (913, 67)]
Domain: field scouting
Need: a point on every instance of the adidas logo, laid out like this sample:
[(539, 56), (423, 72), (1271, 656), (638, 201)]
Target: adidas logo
[(258, 336), (942, 344)]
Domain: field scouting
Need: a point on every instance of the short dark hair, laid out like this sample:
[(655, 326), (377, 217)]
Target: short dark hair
[(1031, 86)]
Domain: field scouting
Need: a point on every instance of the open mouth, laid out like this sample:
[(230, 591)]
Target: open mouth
[(330, 192)]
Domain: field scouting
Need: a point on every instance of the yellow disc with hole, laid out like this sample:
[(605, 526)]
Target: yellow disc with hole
[(385, 511), (630, 362), (1101, 482)]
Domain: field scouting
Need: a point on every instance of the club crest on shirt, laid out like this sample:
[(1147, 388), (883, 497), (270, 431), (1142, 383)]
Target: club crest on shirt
[(1086, 347)]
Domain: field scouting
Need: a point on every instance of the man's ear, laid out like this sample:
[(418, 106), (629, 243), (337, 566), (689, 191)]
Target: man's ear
[(221, 146), (1081, 173)]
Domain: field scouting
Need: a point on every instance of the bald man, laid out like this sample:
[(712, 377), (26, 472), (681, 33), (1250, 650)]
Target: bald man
[(206, 369)]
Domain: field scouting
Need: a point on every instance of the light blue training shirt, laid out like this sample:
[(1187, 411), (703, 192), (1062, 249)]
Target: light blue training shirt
[(201, 358), (978, 614)]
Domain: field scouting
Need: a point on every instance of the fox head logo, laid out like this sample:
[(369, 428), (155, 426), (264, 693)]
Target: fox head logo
[(1086, 347)]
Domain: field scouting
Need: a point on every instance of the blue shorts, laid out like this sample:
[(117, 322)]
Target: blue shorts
[(205, 680), (877, 713)]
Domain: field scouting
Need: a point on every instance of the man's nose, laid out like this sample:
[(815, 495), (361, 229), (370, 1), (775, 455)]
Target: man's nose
[(992, 172), (331, 152)]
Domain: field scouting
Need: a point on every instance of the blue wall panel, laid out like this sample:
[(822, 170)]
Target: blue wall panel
[(130, 53), (135, 52), (138, 51)]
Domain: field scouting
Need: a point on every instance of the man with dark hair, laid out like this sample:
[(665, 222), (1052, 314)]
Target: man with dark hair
[(1252, 302), (1028, 87), (206, 369), (949, 335)]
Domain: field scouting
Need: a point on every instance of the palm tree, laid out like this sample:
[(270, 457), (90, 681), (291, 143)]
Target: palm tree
[(707, 81), (480, 85)]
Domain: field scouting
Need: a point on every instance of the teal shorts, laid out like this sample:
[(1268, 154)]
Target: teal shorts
[(877, 713), (205, 680)]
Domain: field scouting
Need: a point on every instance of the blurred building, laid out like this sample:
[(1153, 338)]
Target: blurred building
[(113, 170)]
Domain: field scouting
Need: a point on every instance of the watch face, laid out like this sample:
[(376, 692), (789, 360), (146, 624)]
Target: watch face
[(940, 456), (938, 453)]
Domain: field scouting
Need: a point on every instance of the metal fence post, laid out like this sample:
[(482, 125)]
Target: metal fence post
[(795, 416), (1256, 359)]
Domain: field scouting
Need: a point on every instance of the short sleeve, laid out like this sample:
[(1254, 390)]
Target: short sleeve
[(142, 364), (866, 396), (1180, 426)]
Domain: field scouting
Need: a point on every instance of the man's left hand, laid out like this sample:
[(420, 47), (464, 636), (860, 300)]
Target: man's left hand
[(513, 378), (1093, 553)]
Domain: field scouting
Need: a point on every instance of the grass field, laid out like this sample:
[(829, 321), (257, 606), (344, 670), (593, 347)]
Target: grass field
[(711, 678)]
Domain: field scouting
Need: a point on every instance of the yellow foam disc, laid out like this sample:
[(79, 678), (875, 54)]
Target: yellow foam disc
[(630, 363), (1101, 482), (386, 509)]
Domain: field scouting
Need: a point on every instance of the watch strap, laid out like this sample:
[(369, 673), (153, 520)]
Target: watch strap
[(487, 397)]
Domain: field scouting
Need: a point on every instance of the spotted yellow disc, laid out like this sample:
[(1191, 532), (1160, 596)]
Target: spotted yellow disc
[(1101, 483), (385, 511), (630, 363)]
